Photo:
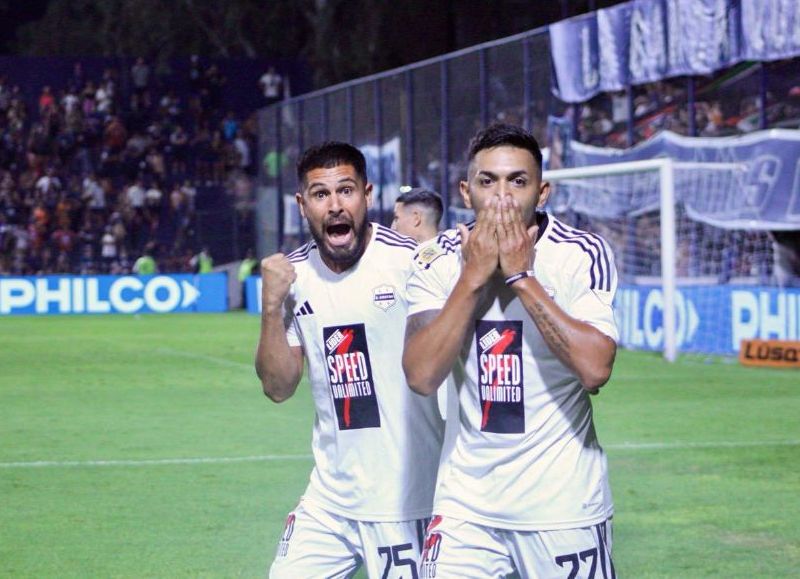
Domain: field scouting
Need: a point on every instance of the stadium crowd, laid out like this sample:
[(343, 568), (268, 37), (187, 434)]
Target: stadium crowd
[(725, 104), (98, 172)]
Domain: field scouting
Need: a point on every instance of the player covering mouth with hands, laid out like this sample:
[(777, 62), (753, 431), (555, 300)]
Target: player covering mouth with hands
[(518, 305)]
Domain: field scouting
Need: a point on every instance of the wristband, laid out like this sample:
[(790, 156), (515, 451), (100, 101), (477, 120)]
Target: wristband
[(512, 279)]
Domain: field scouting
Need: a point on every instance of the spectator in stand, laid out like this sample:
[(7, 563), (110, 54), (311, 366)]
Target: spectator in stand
[(216, 155), (78, 76), (135, 195), (170, 106), (70, 102), (189, 194), (72, 189), (196, 78), (246, 268), (153, 198), (88, 264), (115, 135), (230, 126), (49, 182), (156, 165), (104, 97), (271, 85), (93, 194), (88, 99), (215, 81), (140, 76), (202, 154), (178, 149), (202, 262), (108, 252), (63, 240), (146, 264), (47, 102), (242, 148)]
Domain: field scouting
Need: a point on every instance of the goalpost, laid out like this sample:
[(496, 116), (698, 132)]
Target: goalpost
[(666, 179), (646, 210)]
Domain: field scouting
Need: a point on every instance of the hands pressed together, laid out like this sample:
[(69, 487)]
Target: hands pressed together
[(498, 239)]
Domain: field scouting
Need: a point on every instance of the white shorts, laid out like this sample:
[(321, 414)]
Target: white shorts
[(457, 549), (317, 543)]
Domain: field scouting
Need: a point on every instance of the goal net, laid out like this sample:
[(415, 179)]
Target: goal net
[(677, 246)]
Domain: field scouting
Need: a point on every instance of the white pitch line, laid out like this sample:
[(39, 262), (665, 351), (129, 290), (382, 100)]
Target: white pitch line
[(684, 445), (155, 461), (205, 358), (292, 457)]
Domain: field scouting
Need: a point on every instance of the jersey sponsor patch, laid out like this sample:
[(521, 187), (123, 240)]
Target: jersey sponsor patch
[(350, 377), (428, 254), (384, 297), (500, 380)]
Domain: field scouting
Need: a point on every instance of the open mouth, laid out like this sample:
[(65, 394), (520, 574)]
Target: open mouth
[(339, 233)]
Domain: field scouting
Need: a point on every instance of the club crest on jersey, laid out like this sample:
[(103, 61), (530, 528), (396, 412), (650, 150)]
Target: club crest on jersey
[(384, 297), (350, 377), (500, 376)]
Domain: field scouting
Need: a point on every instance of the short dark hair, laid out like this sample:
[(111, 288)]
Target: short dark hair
[(502, 134), (425, 197), (328, 155)]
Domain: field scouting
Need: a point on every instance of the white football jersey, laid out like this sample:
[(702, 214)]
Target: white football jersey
[(376, 443), (526, 456)]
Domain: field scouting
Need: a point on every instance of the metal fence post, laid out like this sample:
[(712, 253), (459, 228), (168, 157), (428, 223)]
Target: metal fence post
[(444, 141), (279, 172), (483, 79), (377, 101)]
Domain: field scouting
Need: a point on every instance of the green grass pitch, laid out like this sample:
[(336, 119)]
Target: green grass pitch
[(97, 413)]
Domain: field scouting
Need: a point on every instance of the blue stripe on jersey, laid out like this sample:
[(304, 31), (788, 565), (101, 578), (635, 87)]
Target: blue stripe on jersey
[(597, 242), (449, 245), (586, 250), (302, 252), (591, 245), (447, 242), (391, 233), (395, 244), (408, 243)]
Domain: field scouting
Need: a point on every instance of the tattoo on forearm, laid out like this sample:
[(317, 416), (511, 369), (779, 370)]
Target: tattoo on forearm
[(553, 335), (415, 322)]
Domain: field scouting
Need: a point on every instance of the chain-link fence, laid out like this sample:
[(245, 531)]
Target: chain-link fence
[(414, 123)]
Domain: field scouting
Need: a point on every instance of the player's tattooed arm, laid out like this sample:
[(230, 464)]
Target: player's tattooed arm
[(415, 322), (581, 347)]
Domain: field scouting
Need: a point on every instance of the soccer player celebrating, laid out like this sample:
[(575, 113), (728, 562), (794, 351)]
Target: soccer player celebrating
[(340, 302), (520, 304)]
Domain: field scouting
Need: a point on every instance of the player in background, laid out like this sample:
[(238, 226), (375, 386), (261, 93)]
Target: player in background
[(518, 305), (339, 302), (417, 213)]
